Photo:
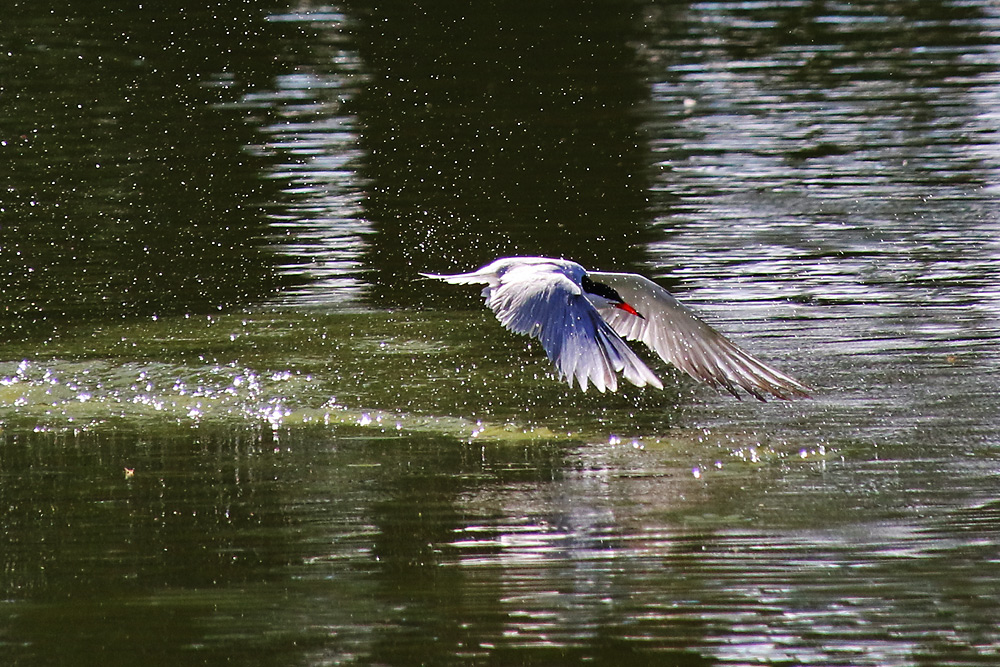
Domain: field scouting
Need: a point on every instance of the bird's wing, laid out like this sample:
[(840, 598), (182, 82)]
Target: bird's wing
[(544, 303), (675, 333)]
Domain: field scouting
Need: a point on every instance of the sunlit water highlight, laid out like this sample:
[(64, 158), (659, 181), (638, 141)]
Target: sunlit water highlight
[(205, 459)]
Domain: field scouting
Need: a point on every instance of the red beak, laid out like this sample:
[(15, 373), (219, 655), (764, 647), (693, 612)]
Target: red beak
[(628, 309)]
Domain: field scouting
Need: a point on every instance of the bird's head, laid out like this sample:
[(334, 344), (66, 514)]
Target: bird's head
[(603, 296)]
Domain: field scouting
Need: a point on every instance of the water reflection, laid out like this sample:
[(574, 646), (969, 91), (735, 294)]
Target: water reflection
[(826, 170), (529, 552), (311, 135), (124, 194), (521, 136), (848, 173), (397, 151)]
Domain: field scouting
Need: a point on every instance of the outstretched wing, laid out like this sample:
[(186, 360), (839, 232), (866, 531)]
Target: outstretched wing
[(544, 303), (675, 333)]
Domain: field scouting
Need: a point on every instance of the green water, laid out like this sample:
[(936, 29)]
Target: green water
[(236, 428)]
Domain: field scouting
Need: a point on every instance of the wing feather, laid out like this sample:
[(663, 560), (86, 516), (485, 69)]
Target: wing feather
[(548, 305), (681, 338)]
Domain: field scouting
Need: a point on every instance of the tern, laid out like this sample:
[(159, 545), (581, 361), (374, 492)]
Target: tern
[(582, 319)]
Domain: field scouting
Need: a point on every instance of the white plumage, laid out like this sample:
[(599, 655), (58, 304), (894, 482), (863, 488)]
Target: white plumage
[(581, 318)]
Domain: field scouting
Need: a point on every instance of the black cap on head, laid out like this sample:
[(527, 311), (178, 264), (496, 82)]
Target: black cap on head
[(600, 289)]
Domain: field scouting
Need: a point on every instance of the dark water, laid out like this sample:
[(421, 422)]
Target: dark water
[(235, 430)]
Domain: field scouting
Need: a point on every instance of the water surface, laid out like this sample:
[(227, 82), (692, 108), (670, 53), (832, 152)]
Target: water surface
[(235, 428)]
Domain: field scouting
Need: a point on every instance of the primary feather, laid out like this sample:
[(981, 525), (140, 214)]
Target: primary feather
[(681, 338)]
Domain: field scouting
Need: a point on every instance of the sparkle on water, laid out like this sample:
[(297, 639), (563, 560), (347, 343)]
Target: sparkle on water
[(235, 429)]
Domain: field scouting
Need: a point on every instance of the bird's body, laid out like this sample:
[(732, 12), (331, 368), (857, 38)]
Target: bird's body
[(581, 319)]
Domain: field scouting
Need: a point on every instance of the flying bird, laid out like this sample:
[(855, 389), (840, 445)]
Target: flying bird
[(582, 319)]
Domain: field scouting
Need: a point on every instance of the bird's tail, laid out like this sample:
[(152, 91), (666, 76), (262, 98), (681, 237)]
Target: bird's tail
[(474, 278)]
